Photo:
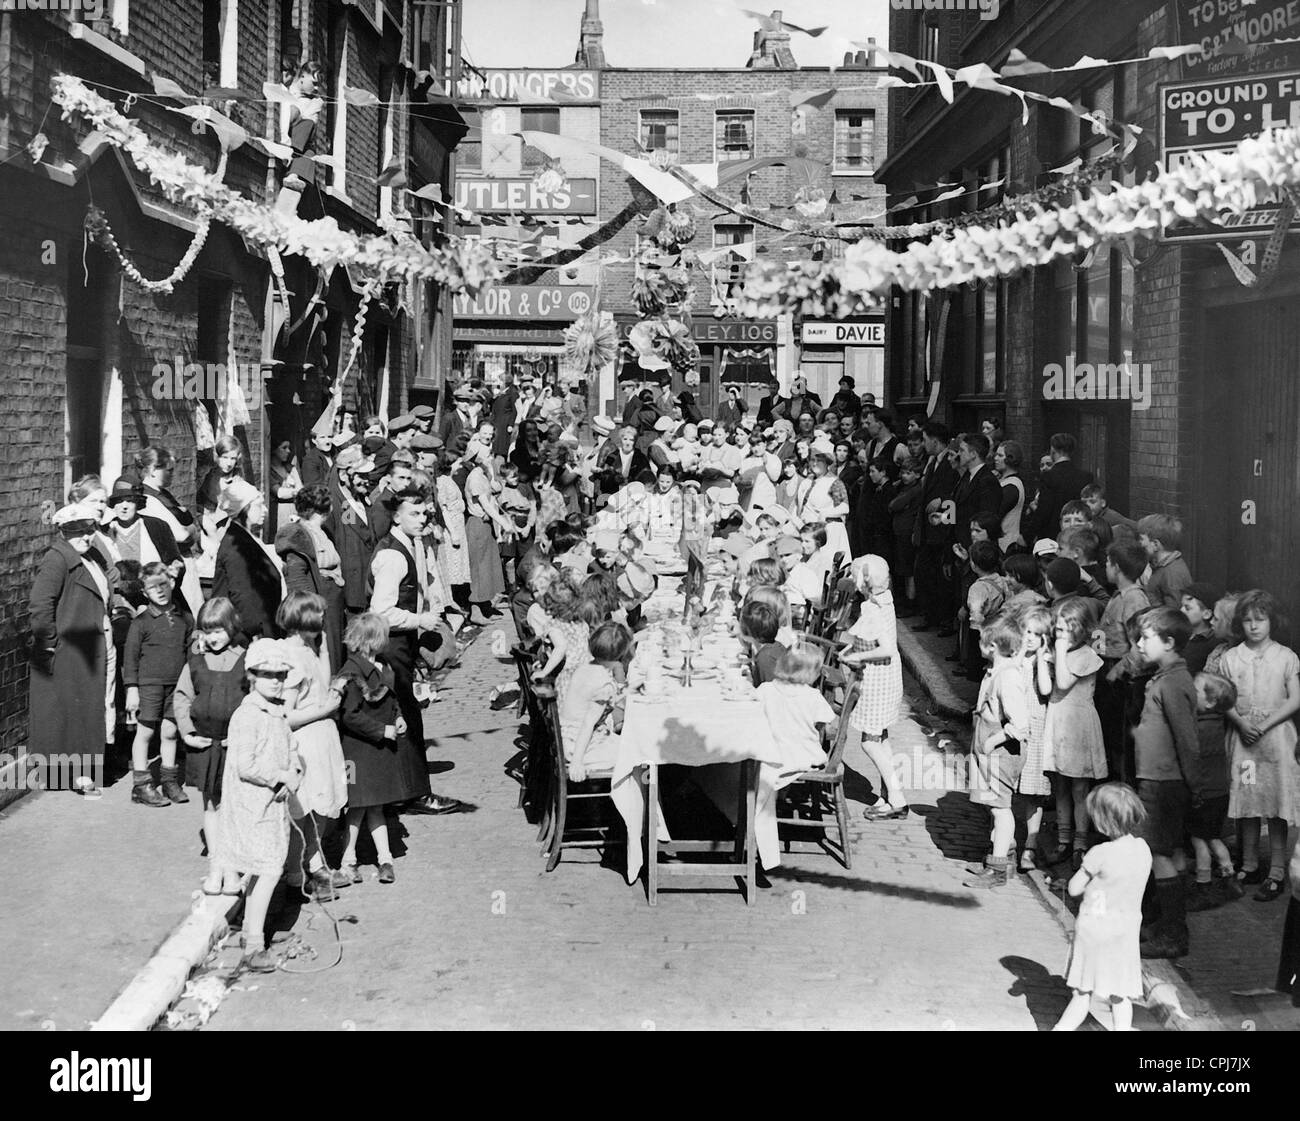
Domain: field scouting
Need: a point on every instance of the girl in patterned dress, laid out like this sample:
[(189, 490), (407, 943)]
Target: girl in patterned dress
[(1072, 741), (1034, 789), (453, 550), (573, 618), (874, 647), (1265, 777)]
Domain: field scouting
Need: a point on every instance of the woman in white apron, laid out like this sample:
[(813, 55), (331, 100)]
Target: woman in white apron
[(825, 500)]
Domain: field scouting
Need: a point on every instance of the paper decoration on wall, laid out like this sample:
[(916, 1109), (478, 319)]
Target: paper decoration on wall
[(363, 98), (660, 184)]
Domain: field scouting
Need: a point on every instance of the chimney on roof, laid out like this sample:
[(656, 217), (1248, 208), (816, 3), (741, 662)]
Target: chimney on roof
[(591, 47), (772, 46)]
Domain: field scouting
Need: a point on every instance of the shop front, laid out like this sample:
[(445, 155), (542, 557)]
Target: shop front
[(831, 349)]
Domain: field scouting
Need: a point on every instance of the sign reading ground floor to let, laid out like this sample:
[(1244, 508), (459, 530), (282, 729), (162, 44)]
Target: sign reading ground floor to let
[(527, 301)]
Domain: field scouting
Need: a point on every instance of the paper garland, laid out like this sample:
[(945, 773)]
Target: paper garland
[(1216, 182), (459, 264)]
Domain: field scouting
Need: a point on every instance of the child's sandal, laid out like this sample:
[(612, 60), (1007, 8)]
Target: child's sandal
[(1269, 890), (1028, 862)]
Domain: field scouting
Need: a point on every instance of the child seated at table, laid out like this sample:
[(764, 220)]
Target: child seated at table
[(796, 711), (591, 713), (759, 622), (766, 593)]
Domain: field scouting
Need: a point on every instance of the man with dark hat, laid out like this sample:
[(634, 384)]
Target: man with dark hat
[(460, 419), (401, 430), (352, 529), (427, 450), (424, 416)]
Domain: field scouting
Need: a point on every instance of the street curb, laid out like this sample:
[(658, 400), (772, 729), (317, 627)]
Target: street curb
[(1177, 1005), (158, 986), (930, 676), (13, 781)]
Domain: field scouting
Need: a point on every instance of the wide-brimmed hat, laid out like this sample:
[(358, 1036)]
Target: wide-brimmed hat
[(665, 424), (265, 654), (76, 518), (236, 496), (788, 547), (737, 545), (124, 489)]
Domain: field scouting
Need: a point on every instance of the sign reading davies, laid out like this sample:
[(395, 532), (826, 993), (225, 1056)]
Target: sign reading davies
[(1217, 116)]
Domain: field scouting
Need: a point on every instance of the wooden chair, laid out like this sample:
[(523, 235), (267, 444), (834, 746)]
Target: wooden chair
[(815, 618), (819, 792), (533, 791), (830, 654), (838, 611), (565, 792)]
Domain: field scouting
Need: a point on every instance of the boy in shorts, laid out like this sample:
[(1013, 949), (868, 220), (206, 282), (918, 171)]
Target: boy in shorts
[(1216, 879), (1165, 750), (157, 647)]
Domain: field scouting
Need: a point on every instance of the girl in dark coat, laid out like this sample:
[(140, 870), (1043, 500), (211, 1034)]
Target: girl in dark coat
[(69, 611), (370, 725), (302, 545), (244, 573)]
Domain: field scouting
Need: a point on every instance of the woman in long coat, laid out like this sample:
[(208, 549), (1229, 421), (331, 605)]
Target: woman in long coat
[(245, 574), (69, 616)]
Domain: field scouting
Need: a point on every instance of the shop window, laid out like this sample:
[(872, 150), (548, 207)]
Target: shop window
[(659, 130), (733, 135), (855, 135), (538, 120)]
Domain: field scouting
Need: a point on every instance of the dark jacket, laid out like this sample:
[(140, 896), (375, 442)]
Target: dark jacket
[(68, 658), (315, 468), (246, 576), (1059, 484), (765, 409), (368, 708), (981, 494), (937, 483), (791, 407), (157, 647), (846, 403), (1165, 741), (354, 537), (160, 535), (298, 554)]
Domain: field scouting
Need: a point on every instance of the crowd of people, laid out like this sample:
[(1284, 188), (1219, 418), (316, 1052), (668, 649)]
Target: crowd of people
[(277, 654)]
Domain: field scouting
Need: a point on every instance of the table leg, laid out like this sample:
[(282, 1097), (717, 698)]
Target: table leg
[(652, 833), (750, 785)]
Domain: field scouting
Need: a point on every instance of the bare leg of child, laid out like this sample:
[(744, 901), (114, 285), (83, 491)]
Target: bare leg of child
[(878, 751), (1249, 827), (140, 750), (1204, 864), (354, 818), (1075, 1012), (293, 865), (170, 773), (1121, 1012), (1033, 823), (217, 879), (1222, 857), (378, 826), (1277, 832), (1004, 832), (259, 900)]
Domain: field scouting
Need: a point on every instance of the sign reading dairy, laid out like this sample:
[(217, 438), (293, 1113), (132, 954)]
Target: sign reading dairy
[(525, 86), (1198, 117), (844, 334), (527, 301), (523, 196)]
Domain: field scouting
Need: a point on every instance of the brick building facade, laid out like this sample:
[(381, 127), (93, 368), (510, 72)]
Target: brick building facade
[(1215, 443), (82, 341)]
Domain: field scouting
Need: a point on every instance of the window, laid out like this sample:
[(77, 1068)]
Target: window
[(221, 43), (290, 38), (733, 135), (538, 120), (659, 130), (337, 47), (469, 152), (855, 135), (736, 233), (929, 41), (729, 270)]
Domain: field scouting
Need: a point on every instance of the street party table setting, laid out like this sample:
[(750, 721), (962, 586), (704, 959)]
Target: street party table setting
[(691, 703)]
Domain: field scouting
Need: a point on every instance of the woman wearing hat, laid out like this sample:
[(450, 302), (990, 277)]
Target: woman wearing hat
[(312, 563), (827, 501), (244, 572), (482, 516), (732, 411), (286, 482), (154, 466), (68, 608), (660, 450), (138, 539)]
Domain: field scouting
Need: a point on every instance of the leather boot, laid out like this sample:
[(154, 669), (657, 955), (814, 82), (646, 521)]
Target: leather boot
[(994, 875), (171, 786)]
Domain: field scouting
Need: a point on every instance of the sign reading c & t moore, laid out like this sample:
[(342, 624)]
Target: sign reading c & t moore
[(522, 196), (530, 85), (1217, 116), (527, 301)]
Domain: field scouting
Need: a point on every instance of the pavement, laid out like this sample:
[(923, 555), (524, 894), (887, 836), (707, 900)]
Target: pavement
[(1234, 949)]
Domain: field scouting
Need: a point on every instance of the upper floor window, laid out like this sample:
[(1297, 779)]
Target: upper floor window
[(537, 120), (733, 135), (221, 43), (929, 41), (659, 130), (855, 135), (469, 152)]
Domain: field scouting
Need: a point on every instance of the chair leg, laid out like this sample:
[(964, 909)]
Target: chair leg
[(557, 839), (842, 813), (652, 835)]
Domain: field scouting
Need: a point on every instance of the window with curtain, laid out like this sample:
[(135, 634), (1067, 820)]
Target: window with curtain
[(659, 130), (538, 120), (469, 152), (855, 134), (733, 135)]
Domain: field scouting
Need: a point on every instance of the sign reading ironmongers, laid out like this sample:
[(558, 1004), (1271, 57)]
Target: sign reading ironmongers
[(1231, 34), (527, 301), (531, 85), (1217, 116), (523, 196), (844, 334)]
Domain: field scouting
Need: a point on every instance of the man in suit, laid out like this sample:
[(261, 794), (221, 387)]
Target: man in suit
[(318, 459), (395, 480), (459, 420), (800, 400), (978, 490), (933, 536), (763, 418), (1062, 482), (509, 411), (352, 529)]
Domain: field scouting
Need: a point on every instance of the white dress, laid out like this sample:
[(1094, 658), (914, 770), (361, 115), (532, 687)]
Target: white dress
[(453, 553), (1265, 777), (324, 788), (820, 506), (881, 700)]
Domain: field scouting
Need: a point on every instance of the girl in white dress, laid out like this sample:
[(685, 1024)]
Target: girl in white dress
[(874, 647), (1265, 777), (1104, 960), (827, 502)]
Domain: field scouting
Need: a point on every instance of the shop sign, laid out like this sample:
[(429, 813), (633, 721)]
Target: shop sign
[(530, 85), (1224, 27), (523, 196), (527, 301), (844, 334), (484, 333), (1213, 116), (734, 331)]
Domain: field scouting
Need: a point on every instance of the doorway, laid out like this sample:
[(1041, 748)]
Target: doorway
[(90, 288)]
